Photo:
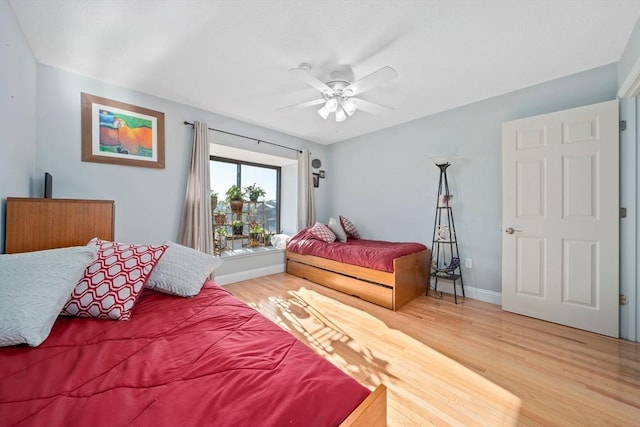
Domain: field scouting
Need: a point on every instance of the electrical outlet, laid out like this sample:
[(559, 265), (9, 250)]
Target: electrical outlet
[(468, 263)]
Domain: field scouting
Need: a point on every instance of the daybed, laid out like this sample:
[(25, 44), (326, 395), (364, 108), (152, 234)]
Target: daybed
[(385, 273), (205, 360)]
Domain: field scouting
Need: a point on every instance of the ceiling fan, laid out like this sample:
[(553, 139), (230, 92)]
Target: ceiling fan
[(339, 95)]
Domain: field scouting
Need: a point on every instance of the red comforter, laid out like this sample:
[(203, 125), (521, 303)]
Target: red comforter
[(207, 360), (375, 254)]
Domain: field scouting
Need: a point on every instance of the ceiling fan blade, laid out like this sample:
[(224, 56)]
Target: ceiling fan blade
[(372, 107), (304, 75), (302, 105), (383, 75)]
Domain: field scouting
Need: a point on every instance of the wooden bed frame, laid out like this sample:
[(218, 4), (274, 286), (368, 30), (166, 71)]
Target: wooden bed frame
[(391, 290), (29, 226), (371, 412)]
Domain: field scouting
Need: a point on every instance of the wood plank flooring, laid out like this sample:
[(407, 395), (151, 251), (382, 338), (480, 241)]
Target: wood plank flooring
[(465, 364)]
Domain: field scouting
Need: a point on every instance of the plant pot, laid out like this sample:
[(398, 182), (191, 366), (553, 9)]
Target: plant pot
[(254, 239), (237, 230), (236, 205), (220, 219)]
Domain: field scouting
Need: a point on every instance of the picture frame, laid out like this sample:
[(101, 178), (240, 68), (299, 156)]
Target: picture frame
[(118, 133), (316, 180)]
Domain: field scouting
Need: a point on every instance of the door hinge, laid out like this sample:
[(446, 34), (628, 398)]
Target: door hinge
[(623, 212), (623, 125), (623, 300)]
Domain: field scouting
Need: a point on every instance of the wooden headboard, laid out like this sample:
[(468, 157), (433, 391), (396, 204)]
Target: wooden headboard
[(36, 224)]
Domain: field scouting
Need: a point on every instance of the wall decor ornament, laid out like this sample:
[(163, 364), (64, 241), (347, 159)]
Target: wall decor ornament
[(445, 200), (122, 134)]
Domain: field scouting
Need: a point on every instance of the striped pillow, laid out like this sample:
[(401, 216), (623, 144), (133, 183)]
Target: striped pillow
[(322, 232), (112, 283), (349, 228)]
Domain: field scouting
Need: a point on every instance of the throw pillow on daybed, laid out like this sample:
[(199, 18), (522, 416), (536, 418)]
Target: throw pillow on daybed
[(337, 229), (34, 287), (112, 283), (349, 228), (322, 232), (182, 271)]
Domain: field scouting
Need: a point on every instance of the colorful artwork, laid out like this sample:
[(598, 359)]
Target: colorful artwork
[(119, 133), (125, 134)]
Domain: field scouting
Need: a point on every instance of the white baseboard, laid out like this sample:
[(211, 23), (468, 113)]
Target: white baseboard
[(492, 297), (249, 274)]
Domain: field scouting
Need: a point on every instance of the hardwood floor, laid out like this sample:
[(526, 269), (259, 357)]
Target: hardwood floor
[(465, 364)]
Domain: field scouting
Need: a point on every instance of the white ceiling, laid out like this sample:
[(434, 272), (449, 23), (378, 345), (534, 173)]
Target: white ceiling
[(232, 57)]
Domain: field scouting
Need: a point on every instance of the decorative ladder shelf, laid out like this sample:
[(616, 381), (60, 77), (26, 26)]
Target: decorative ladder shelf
[(446, 265)]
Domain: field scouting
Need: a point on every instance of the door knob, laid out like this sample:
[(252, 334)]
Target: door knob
[(510, 230)]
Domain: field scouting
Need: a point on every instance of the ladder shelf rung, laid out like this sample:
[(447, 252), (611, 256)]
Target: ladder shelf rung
[(446, 276)]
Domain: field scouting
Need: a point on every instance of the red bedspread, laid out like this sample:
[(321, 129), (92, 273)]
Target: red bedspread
[(375, 254), (207, 360)]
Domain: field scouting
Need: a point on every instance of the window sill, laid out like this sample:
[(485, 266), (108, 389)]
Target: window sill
[(248, 252)]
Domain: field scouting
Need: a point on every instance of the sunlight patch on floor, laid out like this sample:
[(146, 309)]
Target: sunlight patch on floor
[(421, 383)]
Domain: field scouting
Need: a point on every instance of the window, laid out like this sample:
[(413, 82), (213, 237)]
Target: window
[(227, 172)]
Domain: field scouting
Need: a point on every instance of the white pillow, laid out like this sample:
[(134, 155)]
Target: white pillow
[(182, 271), (337, 229), (280, 241), (34, 286)]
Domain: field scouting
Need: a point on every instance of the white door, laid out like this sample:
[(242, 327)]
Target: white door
[(560, 217)]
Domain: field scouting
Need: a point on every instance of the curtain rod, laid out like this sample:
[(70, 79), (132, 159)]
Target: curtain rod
[(247, 137)]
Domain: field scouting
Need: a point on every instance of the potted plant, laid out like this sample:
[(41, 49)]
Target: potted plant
[(237, 226), (267, 238), (253, 192), (214, 200), (255, 234), (220, 214), (234, 197), (221, 234)]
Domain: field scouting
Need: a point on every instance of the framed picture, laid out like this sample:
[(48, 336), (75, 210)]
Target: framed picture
[(121, 134), (316, 180)]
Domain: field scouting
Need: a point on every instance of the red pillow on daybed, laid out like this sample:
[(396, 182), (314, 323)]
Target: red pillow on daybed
[(349, 228), (322, 232)]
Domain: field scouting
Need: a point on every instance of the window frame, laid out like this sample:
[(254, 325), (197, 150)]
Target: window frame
[(239, 164)]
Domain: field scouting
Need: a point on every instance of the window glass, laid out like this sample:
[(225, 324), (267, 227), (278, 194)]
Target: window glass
[(267, 179), (226, 172)]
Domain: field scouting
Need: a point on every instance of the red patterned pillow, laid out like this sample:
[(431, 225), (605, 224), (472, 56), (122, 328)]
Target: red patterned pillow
[(349, 228), (112, 283), (322, 232)]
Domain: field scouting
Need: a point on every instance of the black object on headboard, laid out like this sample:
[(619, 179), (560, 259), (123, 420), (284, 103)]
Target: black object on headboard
[(48, 185)]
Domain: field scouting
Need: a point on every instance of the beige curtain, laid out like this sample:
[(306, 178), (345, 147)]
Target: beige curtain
[(196, 230), (306, 200)]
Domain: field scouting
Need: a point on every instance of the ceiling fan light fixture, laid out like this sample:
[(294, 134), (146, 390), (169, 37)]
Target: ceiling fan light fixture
[(331, 105), (324, 113), (338, 93), (350, 106)]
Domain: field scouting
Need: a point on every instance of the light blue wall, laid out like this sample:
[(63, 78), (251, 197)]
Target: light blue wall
[(17, 113), (148, 201), (386, 183)]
